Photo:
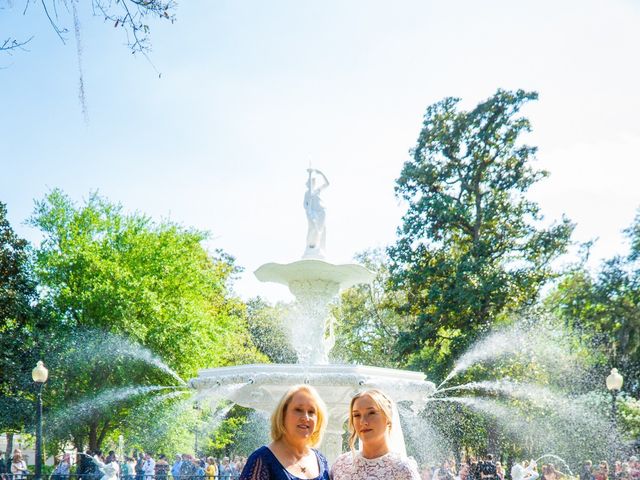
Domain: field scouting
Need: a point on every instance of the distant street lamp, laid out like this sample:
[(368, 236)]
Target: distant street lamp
[(614, 384), (39, 375), (196, 406)]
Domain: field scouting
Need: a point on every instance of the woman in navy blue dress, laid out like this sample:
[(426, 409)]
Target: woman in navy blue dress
[(297, 425)]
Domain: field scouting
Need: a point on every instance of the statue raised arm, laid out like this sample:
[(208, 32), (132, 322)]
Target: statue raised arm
[(316, 234)]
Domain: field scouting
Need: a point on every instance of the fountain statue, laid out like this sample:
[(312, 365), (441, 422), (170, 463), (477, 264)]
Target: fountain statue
[(316, 233), (314, 282)]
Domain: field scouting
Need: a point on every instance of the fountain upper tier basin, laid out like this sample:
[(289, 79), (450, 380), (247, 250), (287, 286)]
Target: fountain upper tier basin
[(344, 276), (261, 386)]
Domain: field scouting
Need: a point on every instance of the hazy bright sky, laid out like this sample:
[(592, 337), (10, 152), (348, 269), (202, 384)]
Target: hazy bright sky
[(250, 89)]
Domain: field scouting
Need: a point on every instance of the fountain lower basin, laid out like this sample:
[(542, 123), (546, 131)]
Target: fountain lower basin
[(261, 386)]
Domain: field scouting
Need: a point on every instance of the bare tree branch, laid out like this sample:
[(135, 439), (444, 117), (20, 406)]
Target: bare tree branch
[(130, 15), (53, 24), (12, 44)]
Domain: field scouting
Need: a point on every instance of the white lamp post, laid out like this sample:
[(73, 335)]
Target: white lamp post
[(614, 385), (196, 406), (39, 375)]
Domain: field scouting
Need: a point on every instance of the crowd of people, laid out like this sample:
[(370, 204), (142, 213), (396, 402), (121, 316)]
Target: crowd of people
[(143, 466), (479, 469), (622, 470), (139, 466), (489, 469)]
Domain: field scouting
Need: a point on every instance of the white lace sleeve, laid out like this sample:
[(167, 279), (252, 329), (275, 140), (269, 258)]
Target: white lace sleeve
[(408, 468)]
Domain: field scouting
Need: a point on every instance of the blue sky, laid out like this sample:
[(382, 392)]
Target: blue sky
[(251, 89)]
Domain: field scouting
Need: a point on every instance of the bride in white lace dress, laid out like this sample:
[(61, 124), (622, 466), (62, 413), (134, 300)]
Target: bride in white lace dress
[(370, 420)]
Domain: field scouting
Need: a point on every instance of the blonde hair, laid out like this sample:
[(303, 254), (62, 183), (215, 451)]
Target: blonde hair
[(277, 417), (384, 404)]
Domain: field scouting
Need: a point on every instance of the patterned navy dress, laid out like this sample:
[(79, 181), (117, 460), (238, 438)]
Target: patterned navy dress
[(263, 465)]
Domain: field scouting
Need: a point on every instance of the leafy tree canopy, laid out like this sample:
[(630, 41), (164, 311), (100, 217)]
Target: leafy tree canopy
[(603, 310), (126, 297), (471, 246), (268, 332), (19, 319), (367, 318)]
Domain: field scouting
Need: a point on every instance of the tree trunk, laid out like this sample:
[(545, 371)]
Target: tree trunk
[(93, 436), (9, 450), (97, 434), (103, 433)]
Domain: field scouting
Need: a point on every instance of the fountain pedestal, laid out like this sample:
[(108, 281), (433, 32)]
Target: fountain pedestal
[(314, 283)]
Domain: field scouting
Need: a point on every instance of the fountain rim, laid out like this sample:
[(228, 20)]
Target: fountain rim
[(323, 369), (311, 269), (335, 382)]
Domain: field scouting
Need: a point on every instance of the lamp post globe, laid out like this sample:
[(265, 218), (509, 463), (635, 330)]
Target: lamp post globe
[(614, 381), (39, 374)]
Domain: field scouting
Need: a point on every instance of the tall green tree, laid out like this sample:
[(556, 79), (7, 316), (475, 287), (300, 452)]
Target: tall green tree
[(19, 322), (471, 246), (126, 295)]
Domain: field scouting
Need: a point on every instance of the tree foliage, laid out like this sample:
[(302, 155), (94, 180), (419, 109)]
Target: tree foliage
[(367, 318), (126, 297), (603, 310), (162, 424), (19, 322), (268, 333), (471, 246), (240, 432)]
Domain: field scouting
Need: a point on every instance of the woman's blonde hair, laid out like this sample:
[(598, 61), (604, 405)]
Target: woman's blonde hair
[(277, 417), (384, 404)]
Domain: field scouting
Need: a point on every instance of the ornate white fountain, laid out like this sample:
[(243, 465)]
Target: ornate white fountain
[(314, 282)]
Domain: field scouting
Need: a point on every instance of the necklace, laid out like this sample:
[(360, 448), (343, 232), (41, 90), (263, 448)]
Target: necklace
[(298, 463)]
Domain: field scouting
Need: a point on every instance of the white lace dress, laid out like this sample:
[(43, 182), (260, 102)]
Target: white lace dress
[(392, 466)]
